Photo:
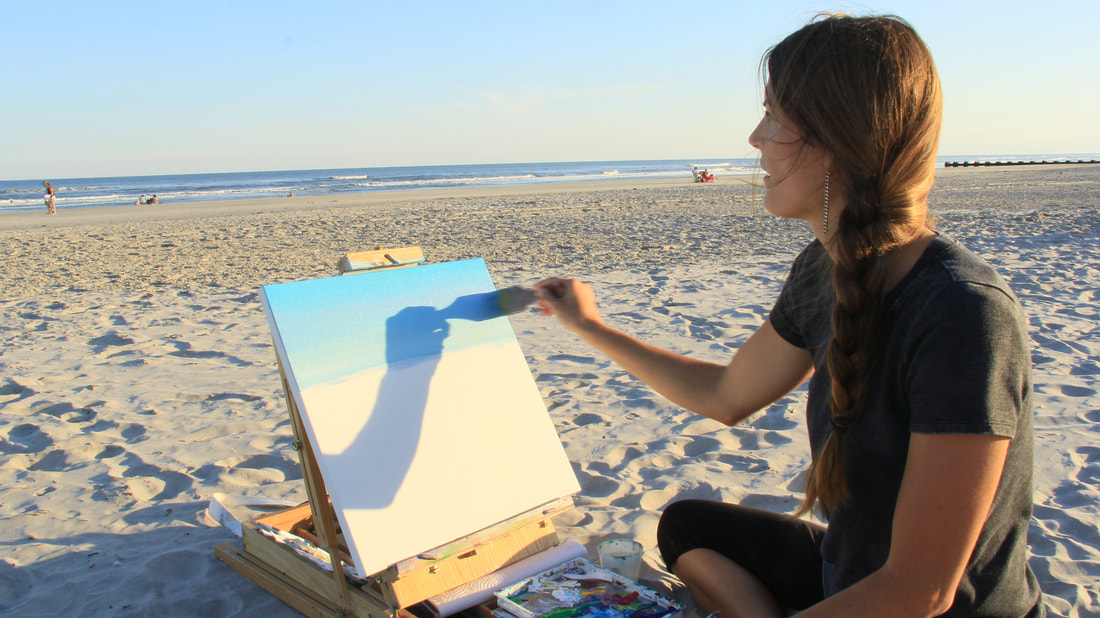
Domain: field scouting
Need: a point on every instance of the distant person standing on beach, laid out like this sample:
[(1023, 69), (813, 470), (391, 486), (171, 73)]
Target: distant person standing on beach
[(49, 198), (915, 351)]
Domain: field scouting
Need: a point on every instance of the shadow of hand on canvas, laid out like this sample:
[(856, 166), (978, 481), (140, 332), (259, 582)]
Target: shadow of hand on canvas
[(387, 444), (384, 450)]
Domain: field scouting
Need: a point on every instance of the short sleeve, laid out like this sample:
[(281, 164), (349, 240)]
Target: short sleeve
[(800, 294), (782, 318), (969, 368)]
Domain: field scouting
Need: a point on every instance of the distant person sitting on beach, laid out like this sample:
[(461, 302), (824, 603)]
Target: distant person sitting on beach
[(915, 352), (51, 208), (152, 200), (702, 176), (695, 173)]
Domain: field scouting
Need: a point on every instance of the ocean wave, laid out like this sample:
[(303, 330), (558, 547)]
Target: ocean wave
[(121, 191), (448, 182)]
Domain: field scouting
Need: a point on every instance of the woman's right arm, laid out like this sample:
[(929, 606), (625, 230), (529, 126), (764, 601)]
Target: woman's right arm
[(764, 369)]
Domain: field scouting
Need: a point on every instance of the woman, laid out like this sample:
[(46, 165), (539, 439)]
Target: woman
[(49, 197), (919, 404)]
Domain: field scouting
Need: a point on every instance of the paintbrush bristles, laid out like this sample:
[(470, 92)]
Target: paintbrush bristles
[(514, 299)]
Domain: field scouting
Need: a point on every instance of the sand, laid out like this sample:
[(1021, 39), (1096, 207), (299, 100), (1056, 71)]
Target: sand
[(137, 376)]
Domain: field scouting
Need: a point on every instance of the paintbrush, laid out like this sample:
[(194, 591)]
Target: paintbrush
[(514, 299), (517, 298), (489, 305), (495, 304)]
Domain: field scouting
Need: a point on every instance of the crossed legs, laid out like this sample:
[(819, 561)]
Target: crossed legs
[(742, 561)]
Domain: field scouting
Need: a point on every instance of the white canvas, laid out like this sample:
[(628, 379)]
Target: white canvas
[(424, 416)]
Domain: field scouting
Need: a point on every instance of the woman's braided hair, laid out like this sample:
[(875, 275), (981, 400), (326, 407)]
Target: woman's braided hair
[(865, 89)]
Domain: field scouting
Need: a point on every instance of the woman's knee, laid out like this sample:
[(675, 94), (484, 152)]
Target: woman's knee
[(675, 529)]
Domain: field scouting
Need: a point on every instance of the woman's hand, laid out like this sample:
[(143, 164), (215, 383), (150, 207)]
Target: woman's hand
[(571, 301)]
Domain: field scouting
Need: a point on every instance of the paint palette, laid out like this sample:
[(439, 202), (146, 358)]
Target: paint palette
[(581, 589)]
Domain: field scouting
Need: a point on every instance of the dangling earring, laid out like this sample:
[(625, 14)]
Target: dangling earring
[(825, 228)]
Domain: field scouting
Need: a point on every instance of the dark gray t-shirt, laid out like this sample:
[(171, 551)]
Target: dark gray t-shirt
[(953, 358)]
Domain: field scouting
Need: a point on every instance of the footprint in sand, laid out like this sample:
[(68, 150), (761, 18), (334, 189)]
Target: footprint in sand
[(702, 445), (777, 504), (1065, 535), (110, 451), (587, 418), (142, 480), (63, 460), (1088, 458), (753, 439), (183, 350), (707, 329), (13, 391), (132, 432), (107, 341), (290, 469), (255, 470), (696, 426), (775, 417), (70, 413), (233, 396), (702, 491), (53, 461), (1074, 494), (26, 438), (269, 443), (1070, 390), (1085, 368), (144, 488), (658, 499), (597, 485), (743, 463)]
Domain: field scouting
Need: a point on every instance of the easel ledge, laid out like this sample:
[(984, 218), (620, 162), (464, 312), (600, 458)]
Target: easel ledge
[(367, 261)]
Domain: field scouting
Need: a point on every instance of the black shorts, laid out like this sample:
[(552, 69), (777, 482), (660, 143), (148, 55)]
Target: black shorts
[(783, 552)]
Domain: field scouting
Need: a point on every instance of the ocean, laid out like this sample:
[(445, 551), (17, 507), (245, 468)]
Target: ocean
[(181, 188)]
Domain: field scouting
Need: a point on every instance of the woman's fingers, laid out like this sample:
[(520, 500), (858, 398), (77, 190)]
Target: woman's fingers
[(549, 293), (570, 300)]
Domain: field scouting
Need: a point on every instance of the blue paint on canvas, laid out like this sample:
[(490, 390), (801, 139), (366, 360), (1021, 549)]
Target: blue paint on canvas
[(338, 326)]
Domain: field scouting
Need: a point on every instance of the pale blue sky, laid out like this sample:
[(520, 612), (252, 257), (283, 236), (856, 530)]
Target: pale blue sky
[(128, 88)]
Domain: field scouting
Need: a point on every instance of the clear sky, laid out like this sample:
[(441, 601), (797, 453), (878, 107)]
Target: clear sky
[(130, 88)]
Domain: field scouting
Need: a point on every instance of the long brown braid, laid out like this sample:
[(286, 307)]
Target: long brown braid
[(866, 90)]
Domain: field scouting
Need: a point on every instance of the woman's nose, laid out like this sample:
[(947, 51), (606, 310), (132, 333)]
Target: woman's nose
[(756, 139)]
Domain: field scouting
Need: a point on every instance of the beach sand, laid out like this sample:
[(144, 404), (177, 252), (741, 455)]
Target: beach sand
[(137, 376)]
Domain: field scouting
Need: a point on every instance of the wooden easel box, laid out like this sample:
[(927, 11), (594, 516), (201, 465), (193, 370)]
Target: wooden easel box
[(314, 591)]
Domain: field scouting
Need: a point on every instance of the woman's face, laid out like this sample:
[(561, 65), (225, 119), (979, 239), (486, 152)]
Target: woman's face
[(794, 169)]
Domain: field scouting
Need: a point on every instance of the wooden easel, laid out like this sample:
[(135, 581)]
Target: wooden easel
[(317, 591)]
